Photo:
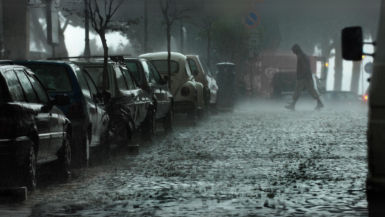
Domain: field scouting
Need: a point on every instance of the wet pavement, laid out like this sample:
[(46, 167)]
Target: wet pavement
[(254, 161)]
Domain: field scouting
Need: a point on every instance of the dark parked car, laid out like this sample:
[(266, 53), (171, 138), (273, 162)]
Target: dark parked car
[(32, 130), (225, 78), (149, 79), (119, 83), (85, 110)]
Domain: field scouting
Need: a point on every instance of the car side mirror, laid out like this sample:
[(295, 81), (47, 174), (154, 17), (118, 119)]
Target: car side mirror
[(352, 43), (106, 95), (61, 100), (165, 79)]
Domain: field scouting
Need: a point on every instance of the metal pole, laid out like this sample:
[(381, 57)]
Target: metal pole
[(87, 50), (181, 37), (145, 46)]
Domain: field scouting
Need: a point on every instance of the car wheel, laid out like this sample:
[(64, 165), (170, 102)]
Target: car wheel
[(82, 151), (65, 157), (149, 129), (168, 122), (120, 133), (192, 113), (201, 114), (104, 149), (30, 170)]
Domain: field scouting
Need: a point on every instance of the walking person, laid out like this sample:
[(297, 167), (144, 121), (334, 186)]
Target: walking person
[(304, 79)]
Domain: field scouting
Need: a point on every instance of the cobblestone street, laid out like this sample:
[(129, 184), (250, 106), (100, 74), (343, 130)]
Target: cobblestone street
[(257, 161)]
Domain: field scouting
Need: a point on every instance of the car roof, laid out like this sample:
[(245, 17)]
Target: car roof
[(94, 63), (163, 55), (225, 63), (54, 62), (135, 58), (7, 67)]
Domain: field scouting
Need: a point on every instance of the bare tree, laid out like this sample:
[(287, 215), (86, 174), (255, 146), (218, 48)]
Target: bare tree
[(171, 12), (100, 23), (204, 20), (100, 14)]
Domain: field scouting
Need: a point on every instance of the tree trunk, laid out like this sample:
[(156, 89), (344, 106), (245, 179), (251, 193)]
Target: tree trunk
[(355, 76), (181, 37), (61, 48), (169, 54), (105, 60)]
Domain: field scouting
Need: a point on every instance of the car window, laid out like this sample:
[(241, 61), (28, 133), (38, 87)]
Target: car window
[(40, 91), (193, 65), (82, 82), (161, 66), (134, 69), (14, 86), (27, 86), (149, 76), (120, 78), (96, 73), (91, 84), (155, 73), (127, 76), (55, 78), (205, 67)]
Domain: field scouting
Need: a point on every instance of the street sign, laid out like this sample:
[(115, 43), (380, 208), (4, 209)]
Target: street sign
[(52, 15), (368, 67), (251, 18)]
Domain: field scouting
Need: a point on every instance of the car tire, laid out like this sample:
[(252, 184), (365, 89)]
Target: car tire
[(149, 128), (201, 114), (121, 133), (104, 149), (168, 122), (65, 157), (82, 152), (30, 169)]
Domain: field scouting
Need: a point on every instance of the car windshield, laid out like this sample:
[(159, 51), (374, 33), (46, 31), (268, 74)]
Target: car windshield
[(134, 69), (55, 78), (206, 68), (162, 67)]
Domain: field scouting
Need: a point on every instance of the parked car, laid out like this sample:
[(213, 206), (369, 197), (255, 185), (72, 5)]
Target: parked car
[(119, 84), (204, 76), (225, 78), (187, 93), (85, 111), (149, 80), (32, 130)]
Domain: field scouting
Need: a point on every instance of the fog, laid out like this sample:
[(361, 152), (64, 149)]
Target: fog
[(315, 25)]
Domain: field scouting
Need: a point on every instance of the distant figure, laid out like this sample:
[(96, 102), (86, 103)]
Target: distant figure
[(304, 79)]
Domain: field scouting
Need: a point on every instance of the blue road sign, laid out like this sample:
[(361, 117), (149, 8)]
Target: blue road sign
[(251, 19), (369, 67)]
